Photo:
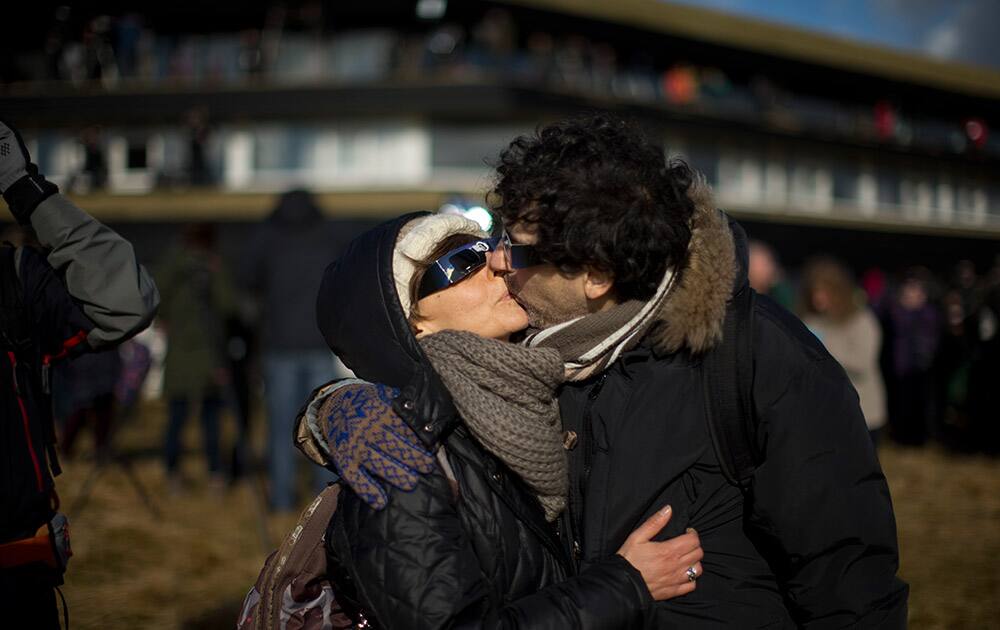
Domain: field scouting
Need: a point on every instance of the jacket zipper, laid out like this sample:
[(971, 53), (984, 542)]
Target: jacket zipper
[(576, 498), (24, 421), (543, 533), (546, 535)]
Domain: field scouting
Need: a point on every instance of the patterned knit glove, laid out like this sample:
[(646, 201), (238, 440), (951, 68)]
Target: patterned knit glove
[(367, 439), (21, 185)]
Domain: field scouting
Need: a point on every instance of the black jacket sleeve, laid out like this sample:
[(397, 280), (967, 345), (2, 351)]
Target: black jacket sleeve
[(60, 323), (820, 501), (414, 568)]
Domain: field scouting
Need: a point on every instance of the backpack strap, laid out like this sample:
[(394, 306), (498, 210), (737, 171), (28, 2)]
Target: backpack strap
[(727, 380), (17, 337), (293, 578), (14, 330)]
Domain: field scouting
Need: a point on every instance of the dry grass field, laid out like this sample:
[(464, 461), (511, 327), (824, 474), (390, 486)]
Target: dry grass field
[(191, 567)]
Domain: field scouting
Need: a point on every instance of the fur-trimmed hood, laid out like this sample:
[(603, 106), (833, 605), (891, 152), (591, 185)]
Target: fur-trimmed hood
[(715, 268)]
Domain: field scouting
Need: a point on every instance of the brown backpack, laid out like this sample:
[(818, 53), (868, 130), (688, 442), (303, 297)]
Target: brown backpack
[(293, 590)]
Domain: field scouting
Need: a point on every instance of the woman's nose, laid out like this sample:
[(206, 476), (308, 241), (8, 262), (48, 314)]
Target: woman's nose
[(497, 262)]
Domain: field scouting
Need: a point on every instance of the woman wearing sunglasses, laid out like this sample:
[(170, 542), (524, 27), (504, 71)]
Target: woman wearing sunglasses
[(475, 543)]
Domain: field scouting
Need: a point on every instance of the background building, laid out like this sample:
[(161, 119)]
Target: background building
[(391, 106)]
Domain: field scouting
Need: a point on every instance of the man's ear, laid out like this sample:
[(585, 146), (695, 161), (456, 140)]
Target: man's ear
[(598, 285)]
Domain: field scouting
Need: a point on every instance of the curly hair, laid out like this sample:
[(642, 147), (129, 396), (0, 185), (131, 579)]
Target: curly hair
[(599, 196)]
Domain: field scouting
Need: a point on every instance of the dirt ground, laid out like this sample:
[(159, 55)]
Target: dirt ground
[(190, 567)]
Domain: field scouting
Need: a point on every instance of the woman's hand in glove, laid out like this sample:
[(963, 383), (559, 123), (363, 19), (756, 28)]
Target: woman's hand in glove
[(367, 439)]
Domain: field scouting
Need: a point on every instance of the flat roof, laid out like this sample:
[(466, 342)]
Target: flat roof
[(726, 29)]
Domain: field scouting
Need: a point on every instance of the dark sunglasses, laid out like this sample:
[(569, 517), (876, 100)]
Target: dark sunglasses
[(456, 265), (519, 256)]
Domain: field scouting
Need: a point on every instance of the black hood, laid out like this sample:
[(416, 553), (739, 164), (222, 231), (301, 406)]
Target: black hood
[(741, 245), (363, 323)]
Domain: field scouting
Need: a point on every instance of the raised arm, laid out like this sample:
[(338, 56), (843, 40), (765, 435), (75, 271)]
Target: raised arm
[(97, 266)]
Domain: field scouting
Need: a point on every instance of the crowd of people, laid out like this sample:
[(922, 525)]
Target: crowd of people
[(231, 331), (296, 45), (921, 348)]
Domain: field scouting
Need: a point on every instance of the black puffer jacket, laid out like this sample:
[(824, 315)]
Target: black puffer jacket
[(813, 544), (484, 558)]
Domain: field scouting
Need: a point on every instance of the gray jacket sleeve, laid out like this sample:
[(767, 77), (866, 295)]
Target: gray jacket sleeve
[(99, 270)]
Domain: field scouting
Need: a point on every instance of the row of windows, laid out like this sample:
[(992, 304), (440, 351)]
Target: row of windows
[(406, 154), (814, 185)]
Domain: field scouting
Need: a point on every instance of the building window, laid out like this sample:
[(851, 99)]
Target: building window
[(846, 180), (812, 187), (945, 201), (972, 204), (916, 197), (132, 163), (776, 181), (274, 158), (135, 157), (741, 177), (867, 190)]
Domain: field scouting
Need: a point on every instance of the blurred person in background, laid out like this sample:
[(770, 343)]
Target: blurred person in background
[(875, 284), (198, 169), (86, 292), (89, 383), (986, 405), (833, 307), (980, 372), (766, 275), (953, 362), (93, 173), (965, 282), (283, 267), (197, 298), (916, 330)]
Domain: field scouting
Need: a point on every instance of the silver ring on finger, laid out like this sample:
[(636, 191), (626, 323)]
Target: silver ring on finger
[(692, 574)]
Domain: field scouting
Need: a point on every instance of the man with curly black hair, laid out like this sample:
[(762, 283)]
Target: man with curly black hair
[(623, 252), (599, 198)]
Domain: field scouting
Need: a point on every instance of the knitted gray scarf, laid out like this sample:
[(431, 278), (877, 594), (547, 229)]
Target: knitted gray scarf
[(507, 393)]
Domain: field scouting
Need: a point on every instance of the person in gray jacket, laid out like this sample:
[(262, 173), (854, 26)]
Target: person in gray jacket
[(87, 293)]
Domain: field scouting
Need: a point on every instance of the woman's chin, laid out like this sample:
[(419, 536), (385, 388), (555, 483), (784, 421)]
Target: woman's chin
[(520, 324), (509, 328)]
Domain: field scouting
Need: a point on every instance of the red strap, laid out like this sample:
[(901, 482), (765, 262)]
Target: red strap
[(67, 347), (24, 420), (28, 550)]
